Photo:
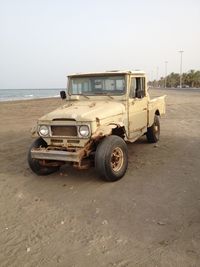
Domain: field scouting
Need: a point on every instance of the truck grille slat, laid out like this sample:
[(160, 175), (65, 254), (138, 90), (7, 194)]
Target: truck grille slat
[(64, 130)]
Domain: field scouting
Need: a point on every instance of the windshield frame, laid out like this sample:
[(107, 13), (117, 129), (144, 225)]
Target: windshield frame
[(109, 93)]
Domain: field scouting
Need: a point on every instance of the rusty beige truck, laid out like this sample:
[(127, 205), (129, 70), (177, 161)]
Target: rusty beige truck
[(100, 113)]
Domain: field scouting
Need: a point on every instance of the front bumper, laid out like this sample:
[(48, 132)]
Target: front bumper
[(56, 155)]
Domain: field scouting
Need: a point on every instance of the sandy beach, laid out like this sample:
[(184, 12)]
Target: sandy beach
[(71, 218)]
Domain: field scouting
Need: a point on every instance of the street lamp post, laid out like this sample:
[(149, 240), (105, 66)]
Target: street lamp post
[(181, 53), (166, 73), (157, 76)]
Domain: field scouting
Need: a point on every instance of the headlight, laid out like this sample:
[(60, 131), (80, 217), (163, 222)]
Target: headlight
[(84, 130), (43, 130)]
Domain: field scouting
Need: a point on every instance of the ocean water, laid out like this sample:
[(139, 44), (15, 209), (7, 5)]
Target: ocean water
[(23, 94)]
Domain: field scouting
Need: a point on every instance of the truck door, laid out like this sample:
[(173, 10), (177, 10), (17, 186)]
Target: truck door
[(137, 107)]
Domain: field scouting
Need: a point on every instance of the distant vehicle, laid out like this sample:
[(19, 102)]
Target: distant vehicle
[(101, 112), (183, 86)]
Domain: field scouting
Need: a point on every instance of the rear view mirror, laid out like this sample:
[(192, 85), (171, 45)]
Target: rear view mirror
[(63, 94)]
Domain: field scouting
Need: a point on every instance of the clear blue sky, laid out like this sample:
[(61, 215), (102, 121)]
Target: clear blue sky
[(42, 41)]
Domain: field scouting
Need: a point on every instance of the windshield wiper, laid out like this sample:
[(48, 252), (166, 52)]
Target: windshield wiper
[(103, 94), (110, 96), (85, 96)]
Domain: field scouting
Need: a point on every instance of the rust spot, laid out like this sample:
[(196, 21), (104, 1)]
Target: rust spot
[(86, 150), (83, 165), (98, 121), (103, 131), (93, 104)]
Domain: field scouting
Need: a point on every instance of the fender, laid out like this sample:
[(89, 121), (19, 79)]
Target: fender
[(106, 130)]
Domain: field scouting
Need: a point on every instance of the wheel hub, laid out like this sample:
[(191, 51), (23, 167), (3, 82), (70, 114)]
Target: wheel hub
[(117, 159), (156, 129)]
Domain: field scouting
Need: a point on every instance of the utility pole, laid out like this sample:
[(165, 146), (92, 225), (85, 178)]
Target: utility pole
[(181, 53), (166, 73), (152, 84), (157, 76)]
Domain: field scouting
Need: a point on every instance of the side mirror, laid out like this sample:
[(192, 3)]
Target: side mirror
[(63, 94)]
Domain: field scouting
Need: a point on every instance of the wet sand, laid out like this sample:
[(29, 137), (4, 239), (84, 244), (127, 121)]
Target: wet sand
[(71, 218)]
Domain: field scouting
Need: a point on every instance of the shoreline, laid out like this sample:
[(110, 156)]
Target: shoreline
[(29, 99), (27, 94)]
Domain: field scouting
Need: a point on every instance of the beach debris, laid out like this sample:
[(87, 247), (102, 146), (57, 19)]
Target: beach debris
[(164, 243), (20, 195), (97, 210), (62, 222), (59, 259), (161, 223), (105, 222), (28, 250)]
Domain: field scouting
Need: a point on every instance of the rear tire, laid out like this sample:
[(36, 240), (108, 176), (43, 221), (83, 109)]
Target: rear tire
[(153, 132), (34, 164), (111, 158)]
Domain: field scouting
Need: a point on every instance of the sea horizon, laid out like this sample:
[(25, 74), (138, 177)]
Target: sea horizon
[(25, 94)]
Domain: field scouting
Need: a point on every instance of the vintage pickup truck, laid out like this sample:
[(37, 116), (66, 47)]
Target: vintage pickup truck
[(101, 112)]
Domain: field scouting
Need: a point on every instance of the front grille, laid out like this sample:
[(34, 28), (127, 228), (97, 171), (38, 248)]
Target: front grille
[(63, 130), (56, 141)]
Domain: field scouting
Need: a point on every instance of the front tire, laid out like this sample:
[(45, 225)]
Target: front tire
[(111, 158), (34, 164), (153, 132)]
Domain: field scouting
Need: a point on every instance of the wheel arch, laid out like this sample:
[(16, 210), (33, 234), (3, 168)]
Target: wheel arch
[(151, 115), (110, 129), (157, 112)]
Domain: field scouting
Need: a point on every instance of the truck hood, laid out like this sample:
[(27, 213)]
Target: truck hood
[(86, 111)]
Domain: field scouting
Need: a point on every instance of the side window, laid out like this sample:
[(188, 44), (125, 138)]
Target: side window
[(133, 87), (137, 89), (140, 87)]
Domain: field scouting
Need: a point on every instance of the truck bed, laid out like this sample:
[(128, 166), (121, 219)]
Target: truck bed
[(157, 103)]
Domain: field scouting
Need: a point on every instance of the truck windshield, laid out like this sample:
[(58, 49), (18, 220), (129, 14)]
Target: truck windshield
[(97, 85)]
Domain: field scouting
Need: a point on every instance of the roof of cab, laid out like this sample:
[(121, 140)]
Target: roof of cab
[(110, 72)]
